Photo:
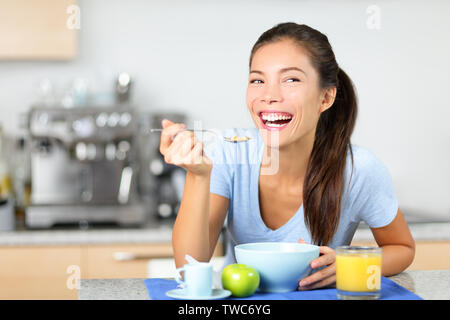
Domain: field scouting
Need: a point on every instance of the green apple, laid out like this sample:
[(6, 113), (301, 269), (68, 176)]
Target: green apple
[(242, 280)]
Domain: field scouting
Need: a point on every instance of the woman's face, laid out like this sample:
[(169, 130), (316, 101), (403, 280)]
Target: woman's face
[(283, 94)]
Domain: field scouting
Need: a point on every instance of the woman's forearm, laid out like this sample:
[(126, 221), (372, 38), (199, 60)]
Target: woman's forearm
[(396, 258), (190, 234)]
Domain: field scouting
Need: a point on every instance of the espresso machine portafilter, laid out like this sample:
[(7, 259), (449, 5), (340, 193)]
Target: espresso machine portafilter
[(83, 166)]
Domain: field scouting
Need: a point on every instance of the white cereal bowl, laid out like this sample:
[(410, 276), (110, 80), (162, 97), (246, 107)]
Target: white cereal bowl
[(281, 265)]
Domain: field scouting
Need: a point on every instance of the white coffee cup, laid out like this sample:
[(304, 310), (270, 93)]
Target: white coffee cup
[(197, 278)]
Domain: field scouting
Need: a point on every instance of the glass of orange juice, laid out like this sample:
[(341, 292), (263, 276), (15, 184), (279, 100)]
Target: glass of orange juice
[(358, 272)]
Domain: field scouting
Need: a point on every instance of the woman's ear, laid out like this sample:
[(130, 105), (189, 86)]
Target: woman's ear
[(327, 99)]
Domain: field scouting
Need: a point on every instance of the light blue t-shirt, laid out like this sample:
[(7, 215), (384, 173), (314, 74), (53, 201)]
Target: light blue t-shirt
[(369, 197)]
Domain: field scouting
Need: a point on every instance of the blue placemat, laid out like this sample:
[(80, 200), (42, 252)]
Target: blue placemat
[(157, 289)]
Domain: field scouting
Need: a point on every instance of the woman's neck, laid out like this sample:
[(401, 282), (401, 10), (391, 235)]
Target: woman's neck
[(292, 160)]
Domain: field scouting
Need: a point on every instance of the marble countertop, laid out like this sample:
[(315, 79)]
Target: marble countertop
[(161, 232), (152, 232), (421, 231), (429, 285)]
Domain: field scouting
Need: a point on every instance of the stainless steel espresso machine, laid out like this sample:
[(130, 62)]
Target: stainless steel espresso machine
[(161, 184), (83, 166)]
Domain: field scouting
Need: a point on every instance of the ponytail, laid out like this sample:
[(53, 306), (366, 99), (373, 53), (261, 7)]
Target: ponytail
[(323, 186)]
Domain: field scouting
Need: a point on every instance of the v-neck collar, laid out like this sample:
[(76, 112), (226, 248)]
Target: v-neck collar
[(255, 207)]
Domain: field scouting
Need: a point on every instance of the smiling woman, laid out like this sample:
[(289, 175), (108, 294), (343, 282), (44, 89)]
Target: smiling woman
[(304, 107), (302, 77)]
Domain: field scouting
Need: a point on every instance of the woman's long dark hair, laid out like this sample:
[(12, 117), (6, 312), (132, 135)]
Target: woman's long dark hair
[(324, 181)]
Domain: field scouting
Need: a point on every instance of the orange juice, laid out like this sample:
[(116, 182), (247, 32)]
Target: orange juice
[(358, 270)]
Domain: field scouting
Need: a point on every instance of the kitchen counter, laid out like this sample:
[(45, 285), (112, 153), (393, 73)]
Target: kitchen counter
[(430, 285), (421, 231), (161, 232), (153, 232)]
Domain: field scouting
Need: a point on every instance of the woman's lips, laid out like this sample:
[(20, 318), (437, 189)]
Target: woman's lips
[(274, 120)]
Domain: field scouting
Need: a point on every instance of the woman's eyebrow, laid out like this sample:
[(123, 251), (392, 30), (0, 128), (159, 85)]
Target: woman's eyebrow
[(281, 70), (292, 68)]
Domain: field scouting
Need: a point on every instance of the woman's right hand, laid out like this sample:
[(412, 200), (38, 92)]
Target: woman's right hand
[(184, 150)]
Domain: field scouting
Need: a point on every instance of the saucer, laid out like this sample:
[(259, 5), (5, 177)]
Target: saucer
[(181, 294)]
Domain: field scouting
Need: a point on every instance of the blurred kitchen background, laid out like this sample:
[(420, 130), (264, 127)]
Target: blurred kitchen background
[(82, 82)]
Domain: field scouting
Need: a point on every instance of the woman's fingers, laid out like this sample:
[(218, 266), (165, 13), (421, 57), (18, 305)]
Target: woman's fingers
[(324, 276), (326, 282), (328, 256), (187, 142), (166, 122), (196, 155), (170, 129), (184, 150), (319, 275), (196, 161), (180, 147)]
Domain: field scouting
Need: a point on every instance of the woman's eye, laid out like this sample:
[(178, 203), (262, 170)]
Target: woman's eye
[(292, 80), (257, 81)]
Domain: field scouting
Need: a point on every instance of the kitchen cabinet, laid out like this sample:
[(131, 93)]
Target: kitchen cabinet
[(430, 255), (38, 29), (47, 272), (37, 272)]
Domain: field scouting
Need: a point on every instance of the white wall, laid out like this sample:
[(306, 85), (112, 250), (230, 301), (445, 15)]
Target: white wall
[(192, 56)]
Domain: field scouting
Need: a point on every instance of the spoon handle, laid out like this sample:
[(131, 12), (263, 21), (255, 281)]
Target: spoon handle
[(239, 139)]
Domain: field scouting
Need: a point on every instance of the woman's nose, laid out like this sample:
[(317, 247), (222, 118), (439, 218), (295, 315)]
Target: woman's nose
[(271, 94)]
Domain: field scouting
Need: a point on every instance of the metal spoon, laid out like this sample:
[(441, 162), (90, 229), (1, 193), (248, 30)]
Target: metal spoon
[(234, 139)]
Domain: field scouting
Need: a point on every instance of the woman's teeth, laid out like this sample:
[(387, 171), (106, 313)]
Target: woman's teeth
[(275, 120), (275, 125), (273, 117)]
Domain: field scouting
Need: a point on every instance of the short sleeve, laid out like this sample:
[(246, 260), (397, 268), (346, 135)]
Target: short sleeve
[(375, 201), (222, 170)]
